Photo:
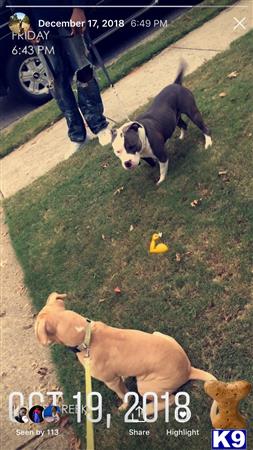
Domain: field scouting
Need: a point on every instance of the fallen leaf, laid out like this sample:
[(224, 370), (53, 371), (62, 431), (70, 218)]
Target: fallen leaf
[(117, 290), (75, 444), (26, 327), (222, 94), (233, 74), (101, 300), (178, 257), (195, 203), (3, 263), (55, 388), (21, 290), (103, 237), (42, 371), (64, 421), (119, 190), (131, 228), (224, 175)]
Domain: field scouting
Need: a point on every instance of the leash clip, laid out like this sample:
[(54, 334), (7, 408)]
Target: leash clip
[(85, 349), (87, 352), (85, 346)]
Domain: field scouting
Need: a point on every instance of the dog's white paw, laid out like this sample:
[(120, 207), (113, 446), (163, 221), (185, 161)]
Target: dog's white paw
[(182, 134), (208, 141), (123, 406), (163, 171), (160, 181), (105, 136)]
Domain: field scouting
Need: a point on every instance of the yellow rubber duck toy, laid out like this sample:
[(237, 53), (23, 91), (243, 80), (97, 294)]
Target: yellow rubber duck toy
[(157, 248)]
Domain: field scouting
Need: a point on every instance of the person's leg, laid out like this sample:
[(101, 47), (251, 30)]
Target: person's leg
[(90, 102), (64, 95), (67, 103), (88, 94)]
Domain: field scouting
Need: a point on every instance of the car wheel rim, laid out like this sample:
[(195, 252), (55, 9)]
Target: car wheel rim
[(33, 77)]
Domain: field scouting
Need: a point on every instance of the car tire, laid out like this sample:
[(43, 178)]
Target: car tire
[(18, 88)]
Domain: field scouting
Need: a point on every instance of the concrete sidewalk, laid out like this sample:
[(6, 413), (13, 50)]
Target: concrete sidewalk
[(50, 147), (25, 366)]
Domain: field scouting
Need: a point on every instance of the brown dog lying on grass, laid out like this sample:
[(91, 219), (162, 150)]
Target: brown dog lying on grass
[(157, 361)]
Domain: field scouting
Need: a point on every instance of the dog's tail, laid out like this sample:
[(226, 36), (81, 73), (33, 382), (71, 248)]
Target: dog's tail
[(180, 75), (198, 374)]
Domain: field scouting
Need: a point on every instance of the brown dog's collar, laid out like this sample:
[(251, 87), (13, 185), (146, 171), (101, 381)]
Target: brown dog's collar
[(85, 345)]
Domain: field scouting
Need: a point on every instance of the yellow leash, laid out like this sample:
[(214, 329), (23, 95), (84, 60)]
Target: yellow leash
[(84, 348), (89, 423)]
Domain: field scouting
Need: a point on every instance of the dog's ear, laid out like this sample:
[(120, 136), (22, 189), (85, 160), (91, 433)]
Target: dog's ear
[(134, 126), (60, 296), (41, 331), (54, 297)]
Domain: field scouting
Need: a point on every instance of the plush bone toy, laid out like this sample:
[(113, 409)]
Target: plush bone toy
[(226, 398)]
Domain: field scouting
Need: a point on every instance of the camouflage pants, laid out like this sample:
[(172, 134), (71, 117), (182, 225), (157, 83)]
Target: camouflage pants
[(70, 57)]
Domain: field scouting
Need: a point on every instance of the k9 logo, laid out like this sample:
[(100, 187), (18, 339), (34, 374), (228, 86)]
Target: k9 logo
[(229, 439)]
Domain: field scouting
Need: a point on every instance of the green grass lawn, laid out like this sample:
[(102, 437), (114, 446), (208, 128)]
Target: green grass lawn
[(36, 121), (72, 234)]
